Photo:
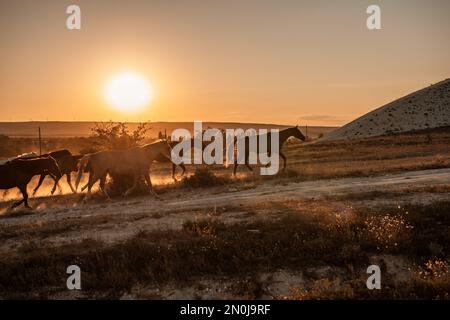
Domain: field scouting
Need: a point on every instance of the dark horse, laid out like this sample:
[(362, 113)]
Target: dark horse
[(67, 163), (18, 173), (283, 136)]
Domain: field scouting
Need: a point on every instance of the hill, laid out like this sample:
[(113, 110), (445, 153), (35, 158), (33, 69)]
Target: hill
[(424, 109)]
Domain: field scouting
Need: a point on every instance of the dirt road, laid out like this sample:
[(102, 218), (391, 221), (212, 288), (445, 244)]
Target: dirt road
[(115, 220)]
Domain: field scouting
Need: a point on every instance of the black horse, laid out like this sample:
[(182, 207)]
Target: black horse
[(18, 173), (283, 136)]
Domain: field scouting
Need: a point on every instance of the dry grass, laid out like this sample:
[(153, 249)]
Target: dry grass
[(299, 239)]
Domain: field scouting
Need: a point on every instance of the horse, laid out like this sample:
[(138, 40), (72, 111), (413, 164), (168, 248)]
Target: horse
[(67, 163), (162, 159), (134, 162), (283, 136), (18, 173)]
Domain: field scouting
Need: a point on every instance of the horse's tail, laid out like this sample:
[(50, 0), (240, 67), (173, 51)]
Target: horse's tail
[(84, 161)]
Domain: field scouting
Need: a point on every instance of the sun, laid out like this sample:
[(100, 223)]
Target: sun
[(128, 92)]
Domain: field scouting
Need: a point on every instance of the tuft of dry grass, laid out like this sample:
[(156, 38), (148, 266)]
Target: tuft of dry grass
[(204, 177), (388, 230)]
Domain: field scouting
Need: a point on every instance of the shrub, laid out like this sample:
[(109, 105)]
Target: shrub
[(115, 136), (203, 177)]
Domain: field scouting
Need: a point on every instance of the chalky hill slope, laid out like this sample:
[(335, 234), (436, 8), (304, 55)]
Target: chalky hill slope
[(424, 109)]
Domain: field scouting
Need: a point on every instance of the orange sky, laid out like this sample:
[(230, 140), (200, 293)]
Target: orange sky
[(284, 61)]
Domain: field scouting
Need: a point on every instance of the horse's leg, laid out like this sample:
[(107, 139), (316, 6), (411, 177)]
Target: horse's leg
[(174, 166), (102, 186), (268, 154), (69, 182), (235, 167), (183, 167), (41, 179), (25, 196), (92, 180), (135, 184), (246, 162), (23, 190), (56, 184), (150, 186), (85, 186), (60, 188), (284, 159), (89, 181)]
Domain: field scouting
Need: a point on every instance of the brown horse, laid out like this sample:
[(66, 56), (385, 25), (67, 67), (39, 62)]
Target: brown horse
[(283, 136), (67, 163), (134, 162), (18, 173)]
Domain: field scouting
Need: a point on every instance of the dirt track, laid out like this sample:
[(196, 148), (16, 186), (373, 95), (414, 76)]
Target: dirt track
[(318, 188), (118, 219)]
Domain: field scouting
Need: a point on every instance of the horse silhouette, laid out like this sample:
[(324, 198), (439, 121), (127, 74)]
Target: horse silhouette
[(283, 136), (134, 162), (18, 173)]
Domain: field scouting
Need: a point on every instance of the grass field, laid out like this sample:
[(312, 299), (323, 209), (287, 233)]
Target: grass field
[(307, 233)]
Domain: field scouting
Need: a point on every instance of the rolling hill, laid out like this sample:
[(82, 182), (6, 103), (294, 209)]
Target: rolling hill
[(423, 109)]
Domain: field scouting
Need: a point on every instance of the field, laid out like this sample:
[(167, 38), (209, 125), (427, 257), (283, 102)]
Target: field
[(309, 232)]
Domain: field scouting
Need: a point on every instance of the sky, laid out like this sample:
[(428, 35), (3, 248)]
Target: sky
[(279, 61)]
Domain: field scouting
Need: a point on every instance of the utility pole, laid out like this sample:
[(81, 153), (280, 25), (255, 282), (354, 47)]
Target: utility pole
[(40, 142)]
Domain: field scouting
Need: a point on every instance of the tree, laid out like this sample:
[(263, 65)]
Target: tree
[(115, 136)]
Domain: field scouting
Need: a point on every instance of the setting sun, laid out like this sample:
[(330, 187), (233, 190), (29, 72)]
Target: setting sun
[(128, 92)]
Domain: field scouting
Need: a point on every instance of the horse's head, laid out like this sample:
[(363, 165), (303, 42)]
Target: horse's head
[(160, 147), (165, 148), (298, 134)]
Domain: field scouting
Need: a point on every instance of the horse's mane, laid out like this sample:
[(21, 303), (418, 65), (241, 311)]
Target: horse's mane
[(60, 153)]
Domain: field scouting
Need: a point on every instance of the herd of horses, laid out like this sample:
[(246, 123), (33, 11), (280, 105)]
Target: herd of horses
[(134, 162)]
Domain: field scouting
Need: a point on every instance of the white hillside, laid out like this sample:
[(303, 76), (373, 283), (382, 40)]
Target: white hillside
[(423, 109)]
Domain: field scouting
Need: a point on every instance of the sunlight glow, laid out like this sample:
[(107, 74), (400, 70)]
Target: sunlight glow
[(128, 92)]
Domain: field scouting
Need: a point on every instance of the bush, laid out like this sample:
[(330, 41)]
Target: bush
[(115, 136), (203, 177), (120, 183)]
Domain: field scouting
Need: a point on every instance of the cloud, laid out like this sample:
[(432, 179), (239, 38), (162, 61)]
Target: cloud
[(327, 118)]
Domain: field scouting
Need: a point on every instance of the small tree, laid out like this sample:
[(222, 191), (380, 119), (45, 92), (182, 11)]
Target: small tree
[(115, 136)]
